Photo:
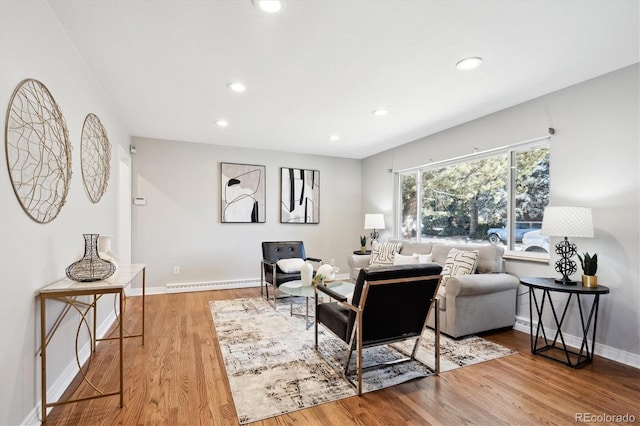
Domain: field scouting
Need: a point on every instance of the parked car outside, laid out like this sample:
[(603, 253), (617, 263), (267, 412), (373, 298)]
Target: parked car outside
[(534, 241), (497, 235)]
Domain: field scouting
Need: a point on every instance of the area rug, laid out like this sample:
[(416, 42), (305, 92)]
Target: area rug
[(273, 368)]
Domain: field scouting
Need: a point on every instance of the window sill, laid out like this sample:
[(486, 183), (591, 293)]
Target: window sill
[(526, 256)]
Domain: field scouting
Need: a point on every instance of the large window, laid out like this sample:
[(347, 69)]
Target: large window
[(496, 197)]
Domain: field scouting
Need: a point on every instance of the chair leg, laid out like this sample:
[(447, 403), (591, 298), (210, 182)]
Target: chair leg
[(436, 324)]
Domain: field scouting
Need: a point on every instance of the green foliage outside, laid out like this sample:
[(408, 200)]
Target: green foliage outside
[(466, 199)]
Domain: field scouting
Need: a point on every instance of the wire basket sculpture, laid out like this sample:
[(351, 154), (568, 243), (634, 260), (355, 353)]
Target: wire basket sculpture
[(91, 267), (38, 151), (96, 157)]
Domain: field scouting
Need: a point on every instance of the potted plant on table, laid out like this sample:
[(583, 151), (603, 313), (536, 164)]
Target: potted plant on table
[(319, 279), (363, 243), (589, 267)]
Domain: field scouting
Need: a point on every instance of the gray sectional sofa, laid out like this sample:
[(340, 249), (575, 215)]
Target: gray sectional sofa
[(469, 304)]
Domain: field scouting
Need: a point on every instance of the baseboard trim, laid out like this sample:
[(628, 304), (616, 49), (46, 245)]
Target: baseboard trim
[(609, 352)]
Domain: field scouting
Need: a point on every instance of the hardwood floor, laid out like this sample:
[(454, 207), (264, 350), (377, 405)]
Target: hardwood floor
[(178, 378)]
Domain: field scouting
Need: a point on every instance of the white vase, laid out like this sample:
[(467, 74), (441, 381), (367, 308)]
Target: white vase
[(328, 271), (306, 273), (104, 249)]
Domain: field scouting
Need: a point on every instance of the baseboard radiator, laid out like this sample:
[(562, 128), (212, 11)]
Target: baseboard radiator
[(211, 285)]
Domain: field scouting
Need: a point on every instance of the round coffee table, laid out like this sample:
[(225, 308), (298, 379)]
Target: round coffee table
[(295, 288)]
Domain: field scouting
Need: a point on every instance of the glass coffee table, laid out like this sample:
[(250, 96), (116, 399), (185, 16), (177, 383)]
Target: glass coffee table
[(295, 288)]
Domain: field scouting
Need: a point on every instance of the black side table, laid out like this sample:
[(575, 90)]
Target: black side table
[(571, 358), (362, 252)]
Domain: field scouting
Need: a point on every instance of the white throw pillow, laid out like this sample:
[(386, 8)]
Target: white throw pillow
[(424, 258), (290, 265), (382, 254), (400, 259), (459, 262)]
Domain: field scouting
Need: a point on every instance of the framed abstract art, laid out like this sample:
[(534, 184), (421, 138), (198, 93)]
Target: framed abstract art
[(299, 196), (243, 193)]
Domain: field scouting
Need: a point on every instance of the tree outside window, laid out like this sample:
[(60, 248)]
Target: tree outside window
[(470, 200)]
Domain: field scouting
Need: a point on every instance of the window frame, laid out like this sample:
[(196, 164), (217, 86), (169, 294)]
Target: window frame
[(511, 151)]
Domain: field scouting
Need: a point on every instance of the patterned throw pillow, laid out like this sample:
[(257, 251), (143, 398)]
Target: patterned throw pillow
[(382, 254), (459, 262)]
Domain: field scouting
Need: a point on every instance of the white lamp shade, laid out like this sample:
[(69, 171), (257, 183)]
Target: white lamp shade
[(373, 221), (567, 222)]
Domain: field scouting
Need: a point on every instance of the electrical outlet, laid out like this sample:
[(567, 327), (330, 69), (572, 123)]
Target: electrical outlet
[(176, 270), (333, 262)]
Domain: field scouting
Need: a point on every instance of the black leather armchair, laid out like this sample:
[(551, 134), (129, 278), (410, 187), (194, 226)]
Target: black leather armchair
[(270, 273), (389, 304)]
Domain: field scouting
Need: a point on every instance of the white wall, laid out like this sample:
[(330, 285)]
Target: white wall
[(594, 163), (180, 224), (32, 255)]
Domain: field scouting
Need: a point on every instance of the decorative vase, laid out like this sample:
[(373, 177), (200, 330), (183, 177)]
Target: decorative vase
[(104, 249), (306, 273), (589, 281), (328, 272), (91, 267)]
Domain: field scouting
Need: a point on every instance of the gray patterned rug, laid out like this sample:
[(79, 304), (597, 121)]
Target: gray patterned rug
[(273, 368)]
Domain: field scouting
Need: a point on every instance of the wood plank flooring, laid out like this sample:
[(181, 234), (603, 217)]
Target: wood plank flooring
[(178, 378)]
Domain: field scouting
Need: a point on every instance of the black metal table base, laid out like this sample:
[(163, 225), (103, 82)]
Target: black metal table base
[(543, 346)]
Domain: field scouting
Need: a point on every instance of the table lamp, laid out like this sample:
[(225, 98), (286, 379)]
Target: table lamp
[(567, 222), (374, 221)]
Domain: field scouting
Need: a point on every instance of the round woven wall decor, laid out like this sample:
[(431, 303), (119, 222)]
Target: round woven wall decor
[(96, 157), (38, 151)]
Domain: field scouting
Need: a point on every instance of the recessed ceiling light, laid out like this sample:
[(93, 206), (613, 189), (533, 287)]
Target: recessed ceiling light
[(222, 123), (237, 87), (469, 63), (270, 6), (380, 112), (334, 138)]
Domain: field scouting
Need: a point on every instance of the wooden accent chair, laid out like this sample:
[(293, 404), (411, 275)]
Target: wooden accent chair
[(270, 272), (389, 304)]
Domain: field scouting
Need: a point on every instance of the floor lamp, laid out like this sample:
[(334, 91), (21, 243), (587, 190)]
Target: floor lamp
[(567, 222)]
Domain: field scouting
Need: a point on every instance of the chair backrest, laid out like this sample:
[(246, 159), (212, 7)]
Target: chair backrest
[(276, 250), (395, 300)]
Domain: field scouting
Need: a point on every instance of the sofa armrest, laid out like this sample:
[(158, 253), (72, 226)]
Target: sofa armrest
[(358, 261), (467, 285)]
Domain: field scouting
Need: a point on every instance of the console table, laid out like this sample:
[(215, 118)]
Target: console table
[(568, 357), (68, 292)]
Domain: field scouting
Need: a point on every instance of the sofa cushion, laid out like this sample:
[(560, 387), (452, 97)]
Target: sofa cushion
[(423, 258), (489, 256), (382, 254), (290, 265), (401, 259), (459, 262), (410, 247)]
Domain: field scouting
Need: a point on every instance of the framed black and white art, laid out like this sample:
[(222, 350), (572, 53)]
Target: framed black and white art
[(243, 193), (299, 196)]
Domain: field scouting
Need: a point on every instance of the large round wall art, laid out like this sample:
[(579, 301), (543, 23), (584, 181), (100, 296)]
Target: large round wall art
[(96, 157), (38, 151)]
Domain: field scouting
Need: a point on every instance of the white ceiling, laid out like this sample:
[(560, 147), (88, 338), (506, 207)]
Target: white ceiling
[(323, 66)]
